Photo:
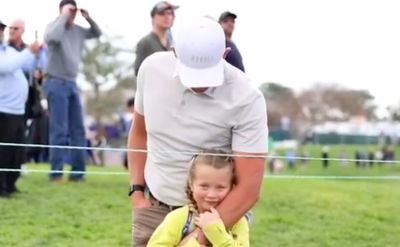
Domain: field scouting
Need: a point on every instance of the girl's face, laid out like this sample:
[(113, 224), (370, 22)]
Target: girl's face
[(210, 186)]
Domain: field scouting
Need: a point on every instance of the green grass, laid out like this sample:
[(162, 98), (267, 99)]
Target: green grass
[(290, 213)]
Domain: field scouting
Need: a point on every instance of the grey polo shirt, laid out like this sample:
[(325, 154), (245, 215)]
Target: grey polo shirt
[(147, 46), (230, 117)]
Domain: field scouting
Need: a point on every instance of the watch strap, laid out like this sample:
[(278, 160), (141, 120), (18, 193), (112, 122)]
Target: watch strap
[(135, 187)]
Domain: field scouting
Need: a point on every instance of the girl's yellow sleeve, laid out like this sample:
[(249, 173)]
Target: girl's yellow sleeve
[(169, 232), (237, 236)]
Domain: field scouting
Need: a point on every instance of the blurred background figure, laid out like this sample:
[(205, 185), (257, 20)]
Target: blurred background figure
[(65, 42), (357, 157), (378, 156), (16, 31), (227, 20), (159, 39), (291, 158), (325, 156), (371, 157), (343, 157), (128, 122), (13, 95), (38, 133)]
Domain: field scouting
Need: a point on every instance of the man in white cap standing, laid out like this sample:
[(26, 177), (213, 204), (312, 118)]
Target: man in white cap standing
[(186, 102)]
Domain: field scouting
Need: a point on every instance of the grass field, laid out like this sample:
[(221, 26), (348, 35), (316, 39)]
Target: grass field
[(290, 213)]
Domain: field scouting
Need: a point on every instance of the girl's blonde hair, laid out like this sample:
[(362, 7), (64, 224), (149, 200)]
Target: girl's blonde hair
[(212, 158)]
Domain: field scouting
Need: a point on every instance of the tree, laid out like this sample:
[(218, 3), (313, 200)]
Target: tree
[(108, 76), (318, 104), (322, 103), (394, 112), (281, 102)]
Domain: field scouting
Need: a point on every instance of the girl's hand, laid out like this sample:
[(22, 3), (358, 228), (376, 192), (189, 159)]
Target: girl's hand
[(207, 218)]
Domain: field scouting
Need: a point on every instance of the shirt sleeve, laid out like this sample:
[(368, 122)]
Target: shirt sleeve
[(94, 30), (167, 233), (13, 61), (143, 50), (250, 135), (140, 80), (55, 30), (218, 236)]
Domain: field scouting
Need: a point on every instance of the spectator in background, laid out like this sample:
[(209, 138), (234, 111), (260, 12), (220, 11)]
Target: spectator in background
[(378, 156), (128, 121), (227, 21), (343, 157), (16, 31), (65, 42), (291, 158), (358, 158), (13, 95), (38, 133), (159, 39), (127, 117), (363, 158), (37, 127), (325, 156), (371, 158)]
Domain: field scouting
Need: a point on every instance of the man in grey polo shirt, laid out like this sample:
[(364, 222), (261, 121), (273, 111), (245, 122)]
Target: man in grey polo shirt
[(186, 102)]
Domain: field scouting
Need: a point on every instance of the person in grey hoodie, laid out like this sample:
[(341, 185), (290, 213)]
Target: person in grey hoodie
[(65, 41)]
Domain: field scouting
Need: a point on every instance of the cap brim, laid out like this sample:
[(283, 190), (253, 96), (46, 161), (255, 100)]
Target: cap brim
[(197, 78), (172, 7)]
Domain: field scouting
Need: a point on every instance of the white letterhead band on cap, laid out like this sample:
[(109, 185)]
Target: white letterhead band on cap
[(199, 47)]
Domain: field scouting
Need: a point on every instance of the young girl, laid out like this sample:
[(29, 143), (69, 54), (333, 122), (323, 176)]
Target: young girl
[(211, 178)]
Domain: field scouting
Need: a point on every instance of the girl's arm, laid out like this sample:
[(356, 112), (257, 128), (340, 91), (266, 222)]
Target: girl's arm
[(218, 236), (214, 229)]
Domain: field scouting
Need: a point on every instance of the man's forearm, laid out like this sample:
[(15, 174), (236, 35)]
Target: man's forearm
[(245, 194), (136, 160)]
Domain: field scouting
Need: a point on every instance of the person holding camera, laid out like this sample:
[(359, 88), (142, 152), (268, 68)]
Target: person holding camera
[(13, 95), (65, 42)]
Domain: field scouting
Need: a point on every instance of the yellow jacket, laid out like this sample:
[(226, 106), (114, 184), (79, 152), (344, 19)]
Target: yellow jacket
[(169, 232)]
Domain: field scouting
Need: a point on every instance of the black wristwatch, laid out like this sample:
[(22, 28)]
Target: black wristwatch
[(135, 187)]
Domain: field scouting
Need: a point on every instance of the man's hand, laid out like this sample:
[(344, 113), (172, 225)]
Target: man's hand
[(34, 47), (139, 200), (68, 9), (207, 218), (84, 13)]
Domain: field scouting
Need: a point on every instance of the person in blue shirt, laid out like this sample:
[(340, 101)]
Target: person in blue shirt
[(13, 95)]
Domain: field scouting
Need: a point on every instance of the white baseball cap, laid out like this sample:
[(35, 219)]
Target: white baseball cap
[(200, 47)]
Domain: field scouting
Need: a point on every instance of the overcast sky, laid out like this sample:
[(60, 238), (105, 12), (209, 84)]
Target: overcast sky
[(354, 43)]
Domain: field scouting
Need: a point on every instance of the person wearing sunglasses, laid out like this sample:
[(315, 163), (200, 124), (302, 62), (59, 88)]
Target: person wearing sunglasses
[(13, 95), (15, 32)]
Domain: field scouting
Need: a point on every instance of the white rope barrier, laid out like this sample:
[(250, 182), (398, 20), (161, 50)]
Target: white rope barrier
[(194, 153), (268, 176)]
